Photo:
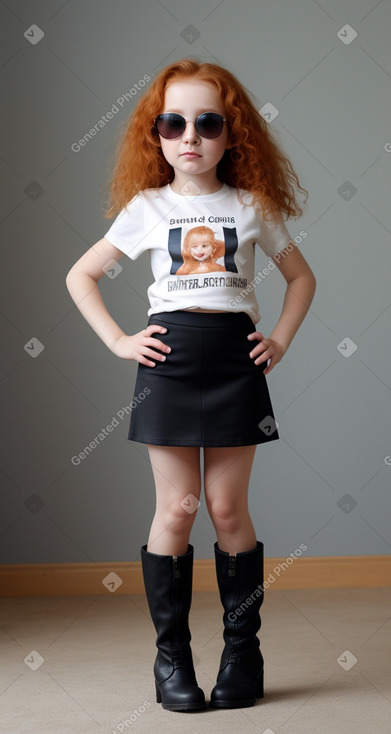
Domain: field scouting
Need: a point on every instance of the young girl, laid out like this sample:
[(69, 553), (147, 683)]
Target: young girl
[(200, 252), (197, 152)]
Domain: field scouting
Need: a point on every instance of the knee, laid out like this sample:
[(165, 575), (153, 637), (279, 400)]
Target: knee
[(226, 517), (180, 513)]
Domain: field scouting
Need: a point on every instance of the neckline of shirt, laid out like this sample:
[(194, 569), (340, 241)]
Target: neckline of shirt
[(200, 197)]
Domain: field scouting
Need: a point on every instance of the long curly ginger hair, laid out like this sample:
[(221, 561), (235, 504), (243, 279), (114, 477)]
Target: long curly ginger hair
[(255, 162)]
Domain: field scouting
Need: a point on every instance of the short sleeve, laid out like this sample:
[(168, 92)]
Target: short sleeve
[(127, 231), (274, 235)]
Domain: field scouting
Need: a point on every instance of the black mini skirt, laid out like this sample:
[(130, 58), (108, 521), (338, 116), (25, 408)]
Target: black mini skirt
[(208, 391)]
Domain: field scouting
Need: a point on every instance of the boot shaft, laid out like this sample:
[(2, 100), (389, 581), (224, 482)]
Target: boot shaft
[(240, 579), (168, 585)]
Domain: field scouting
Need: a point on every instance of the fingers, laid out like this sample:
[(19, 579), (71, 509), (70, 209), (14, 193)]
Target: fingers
[(265, 351), (255, 335), (146, 362), (150, 341), (263, 348), (157, 344), (270, 366), (143, 359), (154, 328)]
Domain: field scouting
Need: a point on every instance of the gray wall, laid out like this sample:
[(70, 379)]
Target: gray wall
[(326, 483)]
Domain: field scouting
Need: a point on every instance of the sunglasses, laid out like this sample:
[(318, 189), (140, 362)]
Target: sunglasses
[(171, 126)]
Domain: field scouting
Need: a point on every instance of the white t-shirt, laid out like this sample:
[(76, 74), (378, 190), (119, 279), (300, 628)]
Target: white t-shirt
[(202, 247)]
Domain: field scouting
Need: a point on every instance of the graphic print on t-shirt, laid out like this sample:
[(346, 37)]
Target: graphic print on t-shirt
[(201, 250)]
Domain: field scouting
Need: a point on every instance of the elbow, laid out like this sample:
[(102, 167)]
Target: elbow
[(313, 279), (310, 278), (78, 280), (311, 285), (68, 279)]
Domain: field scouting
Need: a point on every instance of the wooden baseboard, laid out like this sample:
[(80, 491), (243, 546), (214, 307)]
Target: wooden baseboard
[(78, 579)]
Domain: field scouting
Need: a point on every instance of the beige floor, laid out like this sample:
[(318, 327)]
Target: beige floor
[(96, 656)]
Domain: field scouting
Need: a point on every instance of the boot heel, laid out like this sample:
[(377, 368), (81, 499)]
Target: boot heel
[(158, 694), (259, 691)]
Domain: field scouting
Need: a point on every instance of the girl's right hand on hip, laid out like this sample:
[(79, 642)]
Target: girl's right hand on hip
[(142, 346)]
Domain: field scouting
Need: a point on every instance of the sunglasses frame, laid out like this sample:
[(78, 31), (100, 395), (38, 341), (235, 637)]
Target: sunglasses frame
[(195, 122)]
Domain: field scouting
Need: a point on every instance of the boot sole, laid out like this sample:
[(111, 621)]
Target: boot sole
[(232, 704), (184, 707)]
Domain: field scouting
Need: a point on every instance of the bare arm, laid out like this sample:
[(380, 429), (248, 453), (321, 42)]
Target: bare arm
[(82, 283), (298, 297)]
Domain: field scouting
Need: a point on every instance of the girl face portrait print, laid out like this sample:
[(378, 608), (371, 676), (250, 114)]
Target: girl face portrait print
[(200, 252), (201, 247)]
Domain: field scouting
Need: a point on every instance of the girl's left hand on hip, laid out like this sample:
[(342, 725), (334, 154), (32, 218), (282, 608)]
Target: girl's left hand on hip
[(266, 349)]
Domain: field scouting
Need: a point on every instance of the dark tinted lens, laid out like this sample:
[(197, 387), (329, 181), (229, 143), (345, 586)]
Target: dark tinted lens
[(209, 125), (170, 126)]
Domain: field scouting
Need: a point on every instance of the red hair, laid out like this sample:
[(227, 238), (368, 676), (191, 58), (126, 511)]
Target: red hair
[(255, 162)]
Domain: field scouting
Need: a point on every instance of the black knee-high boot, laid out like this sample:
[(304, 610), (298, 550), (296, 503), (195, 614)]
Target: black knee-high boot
[(168, 585), (240, 579)]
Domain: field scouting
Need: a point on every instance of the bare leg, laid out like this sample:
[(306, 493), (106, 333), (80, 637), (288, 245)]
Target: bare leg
[(176, 471), (227, 474)]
